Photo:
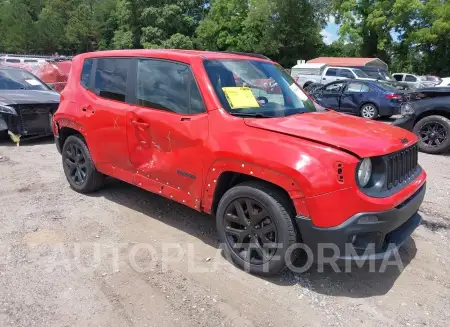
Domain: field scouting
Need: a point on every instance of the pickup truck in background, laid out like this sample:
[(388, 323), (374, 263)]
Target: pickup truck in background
[(306, 74)]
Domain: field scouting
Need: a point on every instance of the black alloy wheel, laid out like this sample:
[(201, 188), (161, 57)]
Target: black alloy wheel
[(255, 223), (433, 133), (251, 232), (79, 167), (76, 164)]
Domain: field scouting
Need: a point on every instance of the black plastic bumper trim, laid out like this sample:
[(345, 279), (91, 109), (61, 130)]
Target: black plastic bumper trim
[(393, 227)]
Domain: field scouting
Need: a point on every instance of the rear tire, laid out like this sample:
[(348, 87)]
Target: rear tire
[(79, 168), (369, 111), (433, 133), (249, 236)]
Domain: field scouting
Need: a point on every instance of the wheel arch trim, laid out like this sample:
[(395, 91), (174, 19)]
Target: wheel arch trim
[(250, 171)]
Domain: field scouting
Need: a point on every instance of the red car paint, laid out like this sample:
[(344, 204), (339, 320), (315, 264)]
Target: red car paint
[(298, 153), (55, 74)]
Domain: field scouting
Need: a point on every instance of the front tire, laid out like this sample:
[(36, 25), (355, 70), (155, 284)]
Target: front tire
[(255, 225), (434, 134), (78, 166), (369, 111)]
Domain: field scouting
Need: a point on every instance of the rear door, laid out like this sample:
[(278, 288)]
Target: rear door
[(102, 104), (330, 95), (354, 95), (167, 129)]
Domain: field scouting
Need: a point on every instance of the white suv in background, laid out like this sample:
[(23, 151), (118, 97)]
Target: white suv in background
[(414, 81), (307, 74)]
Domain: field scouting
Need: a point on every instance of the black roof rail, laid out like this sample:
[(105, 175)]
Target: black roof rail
[(249, 54)]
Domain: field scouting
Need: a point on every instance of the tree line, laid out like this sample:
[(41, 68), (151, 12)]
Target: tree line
[(410, 35)]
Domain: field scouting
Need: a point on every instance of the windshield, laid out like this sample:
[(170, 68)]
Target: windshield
[(18, 79), (359, 73), (256, 88), (380, 75)]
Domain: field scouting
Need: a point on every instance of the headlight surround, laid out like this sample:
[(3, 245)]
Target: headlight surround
[(7, 110), (364, 172), (407, 109)]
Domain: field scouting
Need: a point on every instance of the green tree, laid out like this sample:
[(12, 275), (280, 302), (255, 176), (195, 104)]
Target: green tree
[(16, 26), (284, 30)]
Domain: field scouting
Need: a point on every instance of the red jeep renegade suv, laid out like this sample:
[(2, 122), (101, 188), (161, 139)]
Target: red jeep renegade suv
[(276, 170)]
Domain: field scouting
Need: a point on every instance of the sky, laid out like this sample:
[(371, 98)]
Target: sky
[(331, 32)]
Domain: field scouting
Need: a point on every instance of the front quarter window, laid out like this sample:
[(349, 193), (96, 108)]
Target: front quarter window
[(253, 87)]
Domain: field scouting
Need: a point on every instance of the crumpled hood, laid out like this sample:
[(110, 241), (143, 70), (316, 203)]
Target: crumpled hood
[(12, 97), (362, 137)]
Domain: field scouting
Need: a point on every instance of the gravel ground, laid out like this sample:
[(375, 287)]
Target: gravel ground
[(72, 260)]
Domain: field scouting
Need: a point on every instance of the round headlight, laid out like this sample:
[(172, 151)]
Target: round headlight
[(364, 172)]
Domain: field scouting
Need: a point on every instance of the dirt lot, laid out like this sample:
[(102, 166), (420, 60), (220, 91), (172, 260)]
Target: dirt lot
[(73, 260)]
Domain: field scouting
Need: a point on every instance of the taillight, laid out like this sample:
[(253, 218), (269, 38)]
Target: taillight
[(393, 96)]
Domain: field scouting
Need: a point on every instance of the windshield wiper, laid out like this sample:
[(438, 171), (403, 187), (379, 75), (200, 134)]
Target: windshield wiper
[(244, 114)]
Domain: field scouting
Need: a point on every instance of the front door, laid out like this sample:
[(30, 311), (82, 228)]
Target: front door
[(167, 130), (330, 95)]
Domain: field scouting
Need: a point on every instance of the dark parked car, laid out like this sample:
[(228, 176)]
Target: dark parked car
[(426, 112), (26, 104), (367, 99)]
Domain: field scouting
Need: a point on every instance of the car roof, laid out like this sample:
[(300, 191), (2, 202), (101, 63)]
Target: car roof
[(178, 53)]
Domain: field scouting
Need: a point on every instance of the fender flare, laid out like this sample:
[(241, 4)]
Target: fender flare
[(66, 122), (230, 165)]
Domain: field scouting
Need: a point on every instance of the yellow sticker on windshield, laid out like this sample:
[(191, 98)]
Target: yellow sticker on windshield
[(240, 97)]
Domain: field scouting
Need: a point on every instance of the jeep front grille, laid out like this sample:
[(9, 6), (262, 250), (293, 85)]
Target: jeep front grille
[(401, 165)]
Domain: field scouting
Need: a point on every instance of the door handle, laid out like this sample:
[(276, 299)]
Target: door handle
[(84, 109), (185, 119), (139, 124)]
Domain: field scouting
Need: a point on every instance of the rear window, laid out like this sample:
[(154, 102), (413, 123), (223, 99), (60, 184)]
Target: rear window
[(18, 79), (110, 80)]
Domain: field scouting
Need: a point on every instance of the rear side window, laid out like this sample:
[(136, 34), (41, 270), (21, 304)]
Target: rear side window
[(398, 77), (13, 60), (366, 88), (357, 88), (86, 73), (168, 86), (332, 72), (110, 81)]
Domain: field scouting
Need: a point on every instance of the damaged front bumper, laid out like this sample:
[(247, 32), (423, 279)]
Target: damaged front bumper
[(26, 120)]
